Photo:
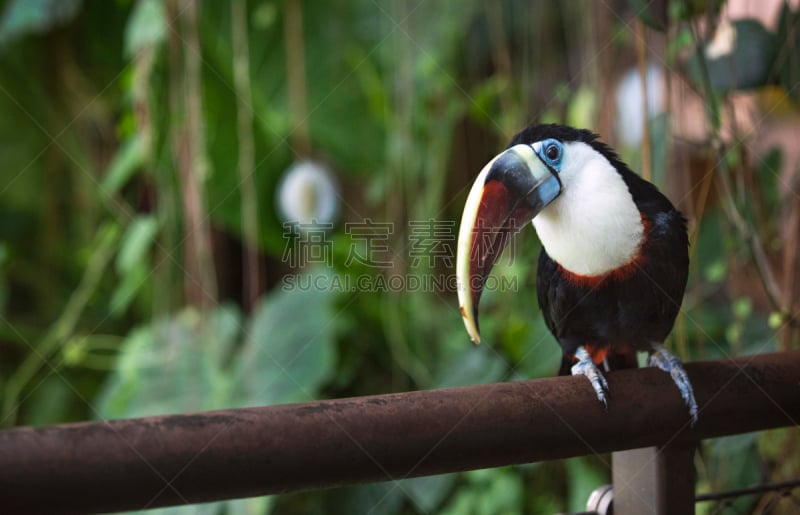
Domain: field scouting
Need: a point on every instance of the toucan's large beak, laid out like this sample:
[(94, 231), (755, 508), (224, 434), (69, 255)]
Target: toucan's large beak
[(510, 190)]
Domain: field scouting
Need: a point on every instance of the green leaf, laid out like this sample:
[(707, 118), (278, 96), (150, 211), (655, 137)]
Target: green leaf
[(50, 402), (538, 354), (463, 502), (195, 509), (654, 17), (477, 365), (685, 10), (375, 498), (125, 292), (147, 26), (429, 492), (369, 78), (740, 57), (742, 307), (677, 44), (252, 506), (127, 160), (504, 493), (175, 365), (485, 97), (136, 242), (775, 320), (715, 272), (131, 264), (289, 347), (584, 478), (490, 491), (22, 17), (734, 443), (734, 462)]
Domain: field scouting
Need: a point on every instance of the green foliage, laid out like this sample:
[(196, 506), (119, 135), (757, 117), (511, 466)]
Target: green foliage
[(127, 161), (788, 60), (147, 26), (650, 15), (21, 17), (731, 462), (131, 262), (3, 278), (498, 491), (742, 57), (659, 15), (201, 361), (584, 477), (283, 362), (405, 101)]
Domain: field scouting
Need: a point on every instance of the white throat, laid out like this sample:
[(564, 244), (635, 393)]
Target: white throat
[(593, 227)]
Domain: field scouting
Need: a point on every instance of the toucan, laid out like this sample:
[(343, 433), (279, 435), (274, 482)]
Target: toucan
[(615, 252)]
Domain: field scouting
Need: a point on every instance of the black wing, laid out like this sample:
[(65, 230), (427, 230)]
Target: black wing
[(636, 311)]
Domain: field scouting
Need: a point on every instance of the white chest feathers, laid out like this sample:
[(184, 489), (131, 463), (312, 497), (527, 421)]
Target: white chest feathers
[(593, 227)]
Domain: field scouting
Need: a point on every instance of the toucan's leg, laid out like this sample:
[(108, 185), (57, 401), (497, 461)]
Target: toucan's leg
[(585, 366), (668, 362)]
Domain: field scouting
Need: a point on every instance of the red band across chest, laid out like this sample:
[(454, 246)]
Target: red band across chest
[(618, 274)]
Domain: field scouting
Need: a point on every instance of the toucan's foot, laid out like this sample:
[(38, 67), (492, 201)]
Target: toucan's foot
[(670, 363), (585, 366)]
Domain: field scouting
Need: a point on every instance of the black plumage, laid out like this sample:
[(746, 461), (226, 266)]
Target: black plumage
[(625, 310)]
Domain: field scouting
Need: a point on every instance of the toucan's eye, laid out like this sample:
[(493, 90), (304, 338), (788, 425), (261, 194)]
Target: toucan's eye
[(552, 152)]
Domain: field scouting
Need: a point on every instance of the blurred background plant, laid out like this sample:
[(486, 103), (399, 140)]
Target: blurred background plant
[(175, 169)]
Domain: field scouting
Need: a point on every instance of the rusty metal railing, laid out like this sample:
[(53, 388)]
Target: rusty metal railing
[(177, 459)]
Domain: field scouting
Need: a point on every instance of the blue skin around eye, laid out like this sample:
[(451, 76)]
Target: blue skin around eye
[(547, 189), (555, 164)]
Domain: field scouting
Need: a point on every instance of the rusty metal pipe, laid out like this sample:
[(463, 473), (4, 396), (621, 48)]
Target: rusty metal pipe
[(177, 459)]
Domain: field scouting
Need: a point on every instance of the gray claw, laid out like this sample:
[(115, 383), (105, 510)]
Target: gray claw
[(670, 363), (585, 366)]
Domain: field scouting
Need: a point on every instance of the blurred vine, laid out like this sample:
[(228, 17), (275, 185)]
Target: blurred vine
[(251, 269)]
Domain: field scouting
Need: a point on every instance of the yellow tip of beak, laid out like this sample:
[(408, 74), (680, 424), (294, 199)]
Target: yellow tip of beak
[(469, 323)]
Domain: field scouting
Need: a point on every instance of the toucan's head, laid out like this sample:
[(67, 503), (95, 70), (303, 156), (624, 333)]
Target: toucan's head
[(567, 183)]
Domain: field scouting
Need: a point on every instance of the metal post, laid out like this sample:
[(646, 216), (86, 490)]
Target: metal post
[(657, 480)]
